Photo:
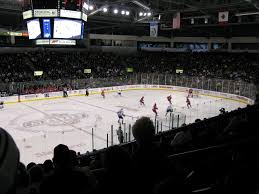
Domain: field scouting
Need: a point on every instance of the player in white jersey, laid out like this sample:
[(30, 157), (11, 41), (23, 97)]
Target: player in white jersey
[(65, 89), (1, 104), (169, 109), (121, 115), (119, 92)]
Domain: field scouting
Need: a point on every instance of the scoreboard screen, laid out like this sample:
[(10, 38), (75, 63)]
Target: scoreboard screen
[(46, 28), (34, 29), (55, 22), (66, 28)]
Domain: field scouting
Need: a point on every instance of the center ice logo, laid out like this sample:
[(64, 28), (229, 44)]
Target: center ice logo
[(56, 120), (50, 122)]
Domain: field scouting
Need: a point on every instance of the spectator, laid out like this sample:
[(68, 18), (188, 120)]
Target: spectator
[(74, 159), (96, 162), (9, 163), (48, 166), (30, 165), (64, 180), (36, 173), (118, 166), (84, 169), (22, 179), (149, 162), (181, 139), (36, 176)]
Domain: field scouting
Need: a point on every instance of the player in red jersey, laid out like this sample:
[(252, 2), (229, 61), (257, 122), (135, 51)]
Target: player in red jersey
[(169, 98), (141, 101), (188, 102), (102, 94), (190, 93), (154, 109)]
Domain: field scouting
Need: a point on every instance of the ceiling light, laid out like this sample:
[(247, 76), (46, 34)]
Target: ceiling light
[(91, 7), (122, 12), (140, 14), (86, 6), (115, 11), (127, 12)]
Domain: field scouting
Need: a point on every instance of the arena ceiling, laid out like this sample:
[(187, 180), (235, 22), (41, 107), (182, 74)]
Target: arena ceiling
[(11, 14)]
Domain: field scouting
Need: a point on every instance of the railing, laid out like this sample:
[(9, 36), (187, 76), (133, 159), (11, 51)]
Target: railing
[(220, 85), (240, 88)]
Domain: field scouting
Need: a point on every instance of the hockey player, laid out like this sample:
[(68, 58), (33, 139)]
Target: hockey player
[(120, 135), (188, 102), (121, 115), (141, 101), (169, 109), (119, 92), (190, 93), (169, 98), (87, 91), (1, 104), (102, 94), (154, 109), (65, 92)]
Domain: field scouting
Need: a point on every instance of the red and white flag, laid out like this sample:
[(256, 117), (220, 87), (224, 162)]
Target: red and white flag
[(177, 21), (223, 17)]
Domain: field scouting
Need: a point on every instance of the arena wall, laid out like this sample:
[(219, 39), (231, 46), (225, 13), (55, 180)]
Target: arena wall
[(55, 95)]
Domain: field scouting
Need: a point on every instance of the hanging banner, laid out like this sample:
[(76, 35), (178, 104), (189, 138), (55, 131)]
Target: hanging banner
[(223, 17), (153, 29), (177, 21)]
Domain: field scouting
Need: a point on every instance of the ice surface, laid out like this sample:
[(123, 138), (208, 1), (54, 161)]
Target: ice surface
[(37, 127)]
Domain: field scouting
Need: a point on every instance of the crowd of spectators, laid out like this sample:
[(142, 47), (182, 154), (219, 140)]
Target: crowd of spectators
[(148, 166), (61, 65), (41, 89), (15, 68)]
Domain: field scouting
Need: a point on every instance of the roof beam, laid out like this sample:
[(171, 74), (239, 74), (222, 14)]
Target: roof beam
[(140, 4)]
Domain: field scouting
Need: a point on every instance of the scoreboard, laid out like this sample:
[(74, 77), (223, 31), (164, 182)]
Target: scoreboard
[(55, 22)]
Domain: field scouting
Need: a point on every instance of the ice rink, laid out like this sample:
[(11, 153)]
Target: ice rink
[(39, 126)]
